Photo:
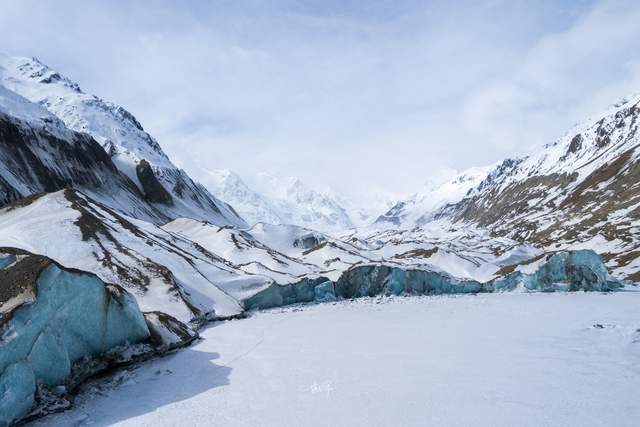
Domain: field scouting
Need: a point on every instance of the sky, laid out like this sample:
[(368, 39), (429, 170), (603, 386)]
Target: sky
[(369, 98)]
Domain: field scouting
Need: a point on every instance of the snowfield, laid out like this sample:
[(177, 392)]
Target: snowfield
[(483, 360)]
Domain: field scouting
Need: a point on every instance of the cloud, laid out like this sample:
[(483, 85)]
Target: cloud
[(363, 97)]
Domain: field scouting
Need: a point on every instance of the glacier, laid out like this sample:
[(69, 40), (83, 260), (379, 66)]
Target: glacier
[(52, 320), (117, 189), (580, 270)]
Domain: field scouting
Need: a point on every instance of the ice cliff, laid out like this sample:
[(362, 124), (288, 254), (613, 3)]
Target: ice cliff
[(581, 270), (52, 321)]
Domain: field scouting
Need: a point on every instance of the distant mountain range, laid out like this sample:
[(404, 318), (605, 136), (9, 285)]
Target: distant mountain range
[(577, 192), (420, 208), (284, 200), (582, 191)]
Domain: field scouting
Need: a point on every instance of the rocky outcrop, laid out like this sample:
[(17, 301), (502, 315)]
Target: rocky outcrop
[(153, 190), (581, 190), (168, 333), (123, 139), (34, 160), (308, 241)]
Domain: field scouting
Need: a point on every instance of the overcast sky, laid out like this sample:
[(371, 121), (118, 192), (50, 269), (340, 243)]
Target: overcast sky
[(367, 97)]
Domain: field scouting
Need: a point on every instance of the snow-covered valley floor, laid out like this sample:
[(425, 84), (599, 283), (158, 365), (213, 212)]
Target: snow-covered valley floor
[(485, 360)]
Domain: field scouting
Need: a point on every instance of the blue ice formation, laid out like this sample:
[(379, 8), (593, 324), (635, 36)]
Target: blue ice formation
[(51, 318), (7, 259), (324, 292), (281, 295), (560, 271), (580, 270)]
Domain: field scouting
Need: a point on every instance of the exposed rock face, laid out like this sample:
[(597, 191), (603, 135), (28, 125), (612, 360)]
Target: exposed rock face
[(122, 137), (308, 241), (574, 146), (164, 271), (52, 319), (168, 333), (34, 160), (420, 207), (153, 190), (562, 271), (45, 156), (582, 191)]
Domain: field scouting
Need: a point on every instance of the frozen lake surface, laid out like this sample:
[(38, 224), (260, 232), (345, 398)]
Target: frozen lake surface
[(485, 360)]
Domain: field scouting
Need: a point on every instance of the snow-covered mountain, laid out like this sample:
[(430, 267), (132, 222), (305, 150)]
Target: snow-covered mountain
[(251, 205), (421, 207), (280, 200), (582, 191), (163, 271), (85, 188), (38, 153), (360, 214), (299, 204), (132, 150), (586, 178)]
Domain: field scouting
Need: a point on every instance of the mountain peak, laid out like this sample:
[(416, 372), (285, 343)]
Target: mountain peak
[(34, 69), (132, 150), (421, 206), (279, 200)]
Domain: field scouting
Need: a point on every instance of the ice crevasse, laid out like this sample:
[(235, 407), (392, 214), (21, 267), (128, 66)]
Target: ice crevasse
[(50, 319)]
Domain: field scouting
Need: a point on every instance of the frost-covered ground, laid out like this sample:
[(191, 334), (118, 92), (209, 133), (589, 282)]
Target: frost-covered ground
[(488, 360)]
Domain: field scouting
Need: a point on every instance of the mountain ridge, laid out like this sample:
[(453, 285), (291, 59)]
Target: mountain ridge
[(122, 137), (280, 201), (579, 191)]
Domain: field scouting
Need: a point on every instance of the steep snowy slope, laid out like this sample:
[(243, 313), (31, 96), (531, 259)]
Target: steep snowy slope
[(466, 252), (421, 207), (26, 112), (244, 250), (279, 200), (134, 152), (285, 253), (251, 205), (583, 191), (302, 205), (289, 253), (164, 271), (38, 153)]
